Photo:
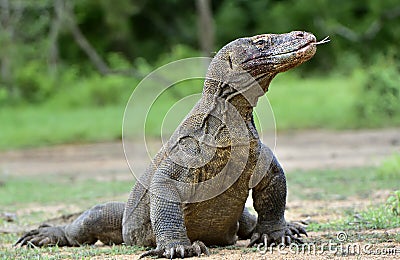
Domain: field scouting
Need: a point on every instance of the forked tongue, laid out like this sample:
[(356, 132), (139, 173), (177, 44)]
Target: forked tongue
[(324, 40)]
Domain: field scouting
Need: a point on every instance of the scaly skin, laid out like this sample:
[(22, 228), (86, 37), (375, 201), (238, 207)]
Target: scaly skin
[(193, 194)]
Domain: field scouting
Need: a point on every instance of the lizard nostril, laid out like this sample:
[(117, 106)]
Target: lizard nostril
[(300, 35)]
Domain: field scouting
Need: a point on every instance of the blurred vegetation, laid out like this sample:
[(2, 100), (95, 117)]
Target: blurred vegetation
[(390, 168), (88, 55)]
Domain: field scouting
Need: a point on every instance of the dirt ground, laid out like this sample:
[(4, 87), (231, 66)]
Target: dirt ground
[(303, 150), (317, 149)]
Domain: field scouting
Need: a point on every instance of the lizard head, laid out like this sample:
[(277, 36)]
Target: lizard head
[(262, 57), (273, 53)]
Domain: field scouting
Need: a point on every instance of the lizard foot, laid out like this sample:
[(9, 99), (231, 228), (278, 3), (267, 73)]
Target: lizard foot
[(196, 249), (44, 235), (291, 233)]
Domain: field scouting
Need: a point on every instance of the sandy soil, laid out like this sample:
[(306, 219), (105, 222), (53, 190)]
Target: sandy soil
[(295, 150)]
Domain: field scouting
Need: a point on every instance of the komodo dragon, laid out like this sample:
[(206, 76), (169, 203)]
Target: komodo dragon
[(194, 192)]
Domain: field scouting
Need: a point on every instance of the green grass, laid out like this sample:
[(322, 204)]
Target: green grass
[(36, 126), (331, 185), (85, 252), (339, 185), (334, 185), (16, 192), (378, 217)]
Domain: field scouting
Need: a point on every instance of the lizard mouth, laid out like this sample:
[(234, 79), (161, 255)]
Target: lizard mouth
[(277, 56), (302, 49), (306, 51), (312, 44), (305, 47)]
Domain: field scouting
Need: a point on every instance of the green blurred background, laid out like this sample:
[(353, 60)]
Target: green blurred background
[(68, 67)]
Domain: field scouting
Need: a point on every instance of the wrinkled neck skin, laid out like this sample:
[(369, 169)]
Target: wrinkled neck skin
[(242, 70), (244, 101), (226, 82)]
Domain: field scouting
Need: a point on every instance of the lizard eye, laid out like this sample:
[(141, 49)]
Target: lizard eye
[(261, 42), (230, 62)]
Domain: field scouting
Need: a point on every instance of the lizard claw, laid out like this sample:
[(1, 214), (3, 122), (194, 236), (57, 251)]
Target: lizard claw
[(196, 249), (297, 229), (199, 248), (290, 233), (153, 252), (255, 238), (45, 235)]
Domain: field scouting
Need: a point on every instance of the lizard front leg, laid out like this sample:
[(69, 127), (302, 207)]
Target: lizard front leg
[(269, 198), (167, 216)]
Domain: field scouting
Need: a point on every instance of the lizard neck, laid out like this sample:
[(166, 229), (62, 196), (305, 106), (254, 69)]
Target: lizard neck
[(242, 97), (243, 106)]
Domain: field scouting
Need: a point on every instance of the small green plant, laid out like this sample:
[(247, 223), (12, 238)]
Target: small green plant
[(380, 217), (393, 203)]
